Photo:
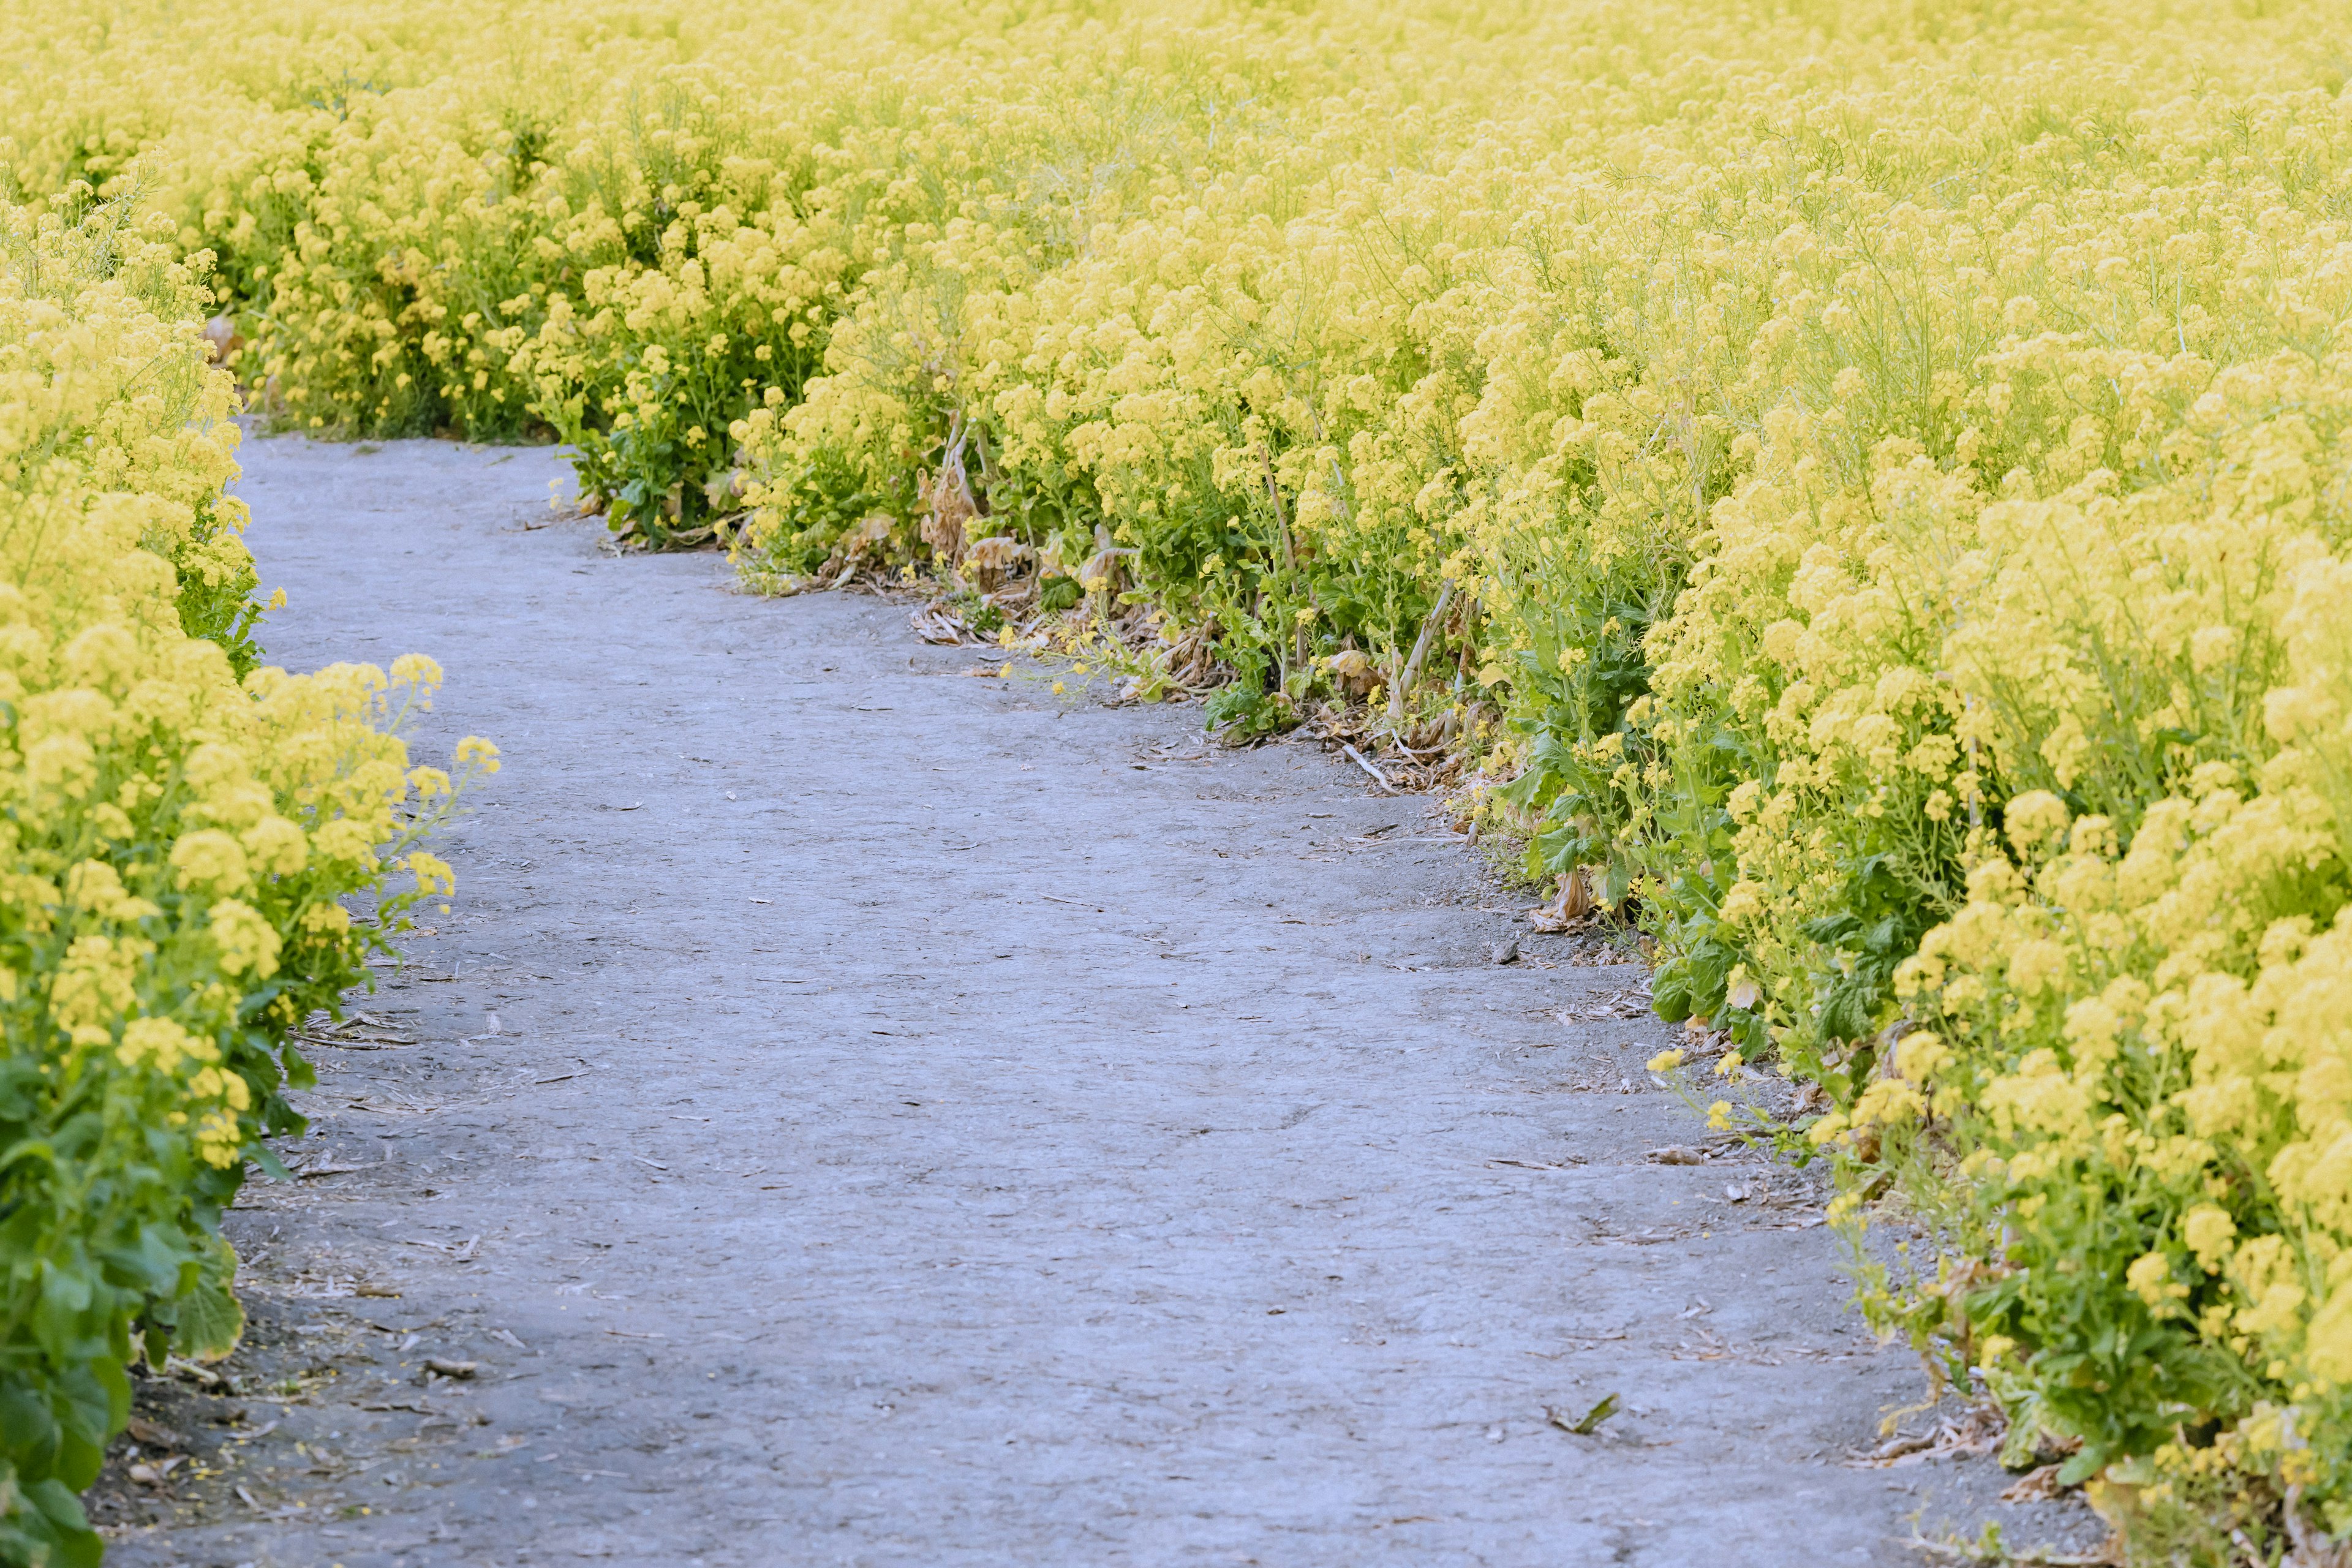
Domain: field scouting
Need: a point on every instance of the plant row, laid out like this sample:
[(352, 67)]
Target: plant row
[(178, 828)]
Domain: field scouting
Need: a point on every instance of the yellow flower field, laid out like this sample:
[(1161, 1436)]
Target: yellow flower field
[(180, 826), (1873, 479)]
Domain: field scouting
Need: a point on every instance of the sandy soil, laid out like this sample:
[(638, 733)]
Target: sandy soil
[(860, 1114)]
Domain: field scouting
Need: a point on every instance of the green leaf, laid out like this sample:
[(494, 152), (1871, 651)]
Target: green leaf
[(211, 1322), (1590, 1422), (1670, 992), (2087, 1462)]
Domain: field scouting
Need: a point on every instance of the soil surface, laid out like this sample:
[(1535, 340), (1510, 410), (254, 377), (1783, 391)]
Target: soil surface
[(859, 1113)]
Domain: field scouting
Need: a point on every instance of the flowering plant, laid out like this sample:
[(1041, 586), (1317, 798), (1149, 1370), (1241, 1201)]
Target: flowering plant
[(174, 849)]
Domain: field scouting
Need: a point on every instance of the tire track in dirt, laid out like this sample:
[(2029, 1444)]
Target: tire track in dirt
[(858, 1114)]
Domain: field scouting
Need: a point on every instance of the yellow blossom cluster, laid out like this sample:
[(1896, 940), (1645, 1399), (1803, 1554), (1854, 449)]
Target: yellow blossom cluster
[(180, 826), (1871, 474)]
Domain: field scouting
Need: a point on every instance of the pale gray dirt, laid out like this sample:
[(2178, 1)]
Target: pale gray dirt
[(864, 1115)]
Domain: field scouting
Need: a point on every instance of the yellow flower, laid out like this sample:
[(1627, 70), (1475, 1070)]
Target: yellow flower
[(1743, 904), (2036, 818), (210, 861), (276, 847), (2329, 1351), (248, 944), (433, 874), (162, 1043), (1888, 1100), (2150, 1279), (95, 981), (2208, 1231)]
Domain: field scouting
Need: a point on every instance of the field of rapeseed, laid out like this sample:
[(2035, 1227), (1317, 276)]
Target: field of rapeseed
[(1872, 477), (179, 828)]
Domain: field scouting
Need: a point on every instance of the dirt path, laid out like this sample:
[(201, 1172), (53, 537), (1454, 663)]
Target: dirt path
[(862, 1115)]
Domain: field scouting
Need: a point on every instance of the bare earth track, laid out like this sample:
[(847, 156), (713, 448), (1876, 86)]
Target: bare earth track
[(858, 1114)]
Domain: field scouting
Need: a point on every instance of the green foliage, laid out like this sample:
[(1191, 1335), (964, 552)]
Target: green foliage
[(1245, 710)]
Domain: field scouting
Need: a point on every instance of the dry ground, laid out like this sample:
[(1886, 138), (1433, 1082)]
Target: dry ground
[(859, 1114)]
